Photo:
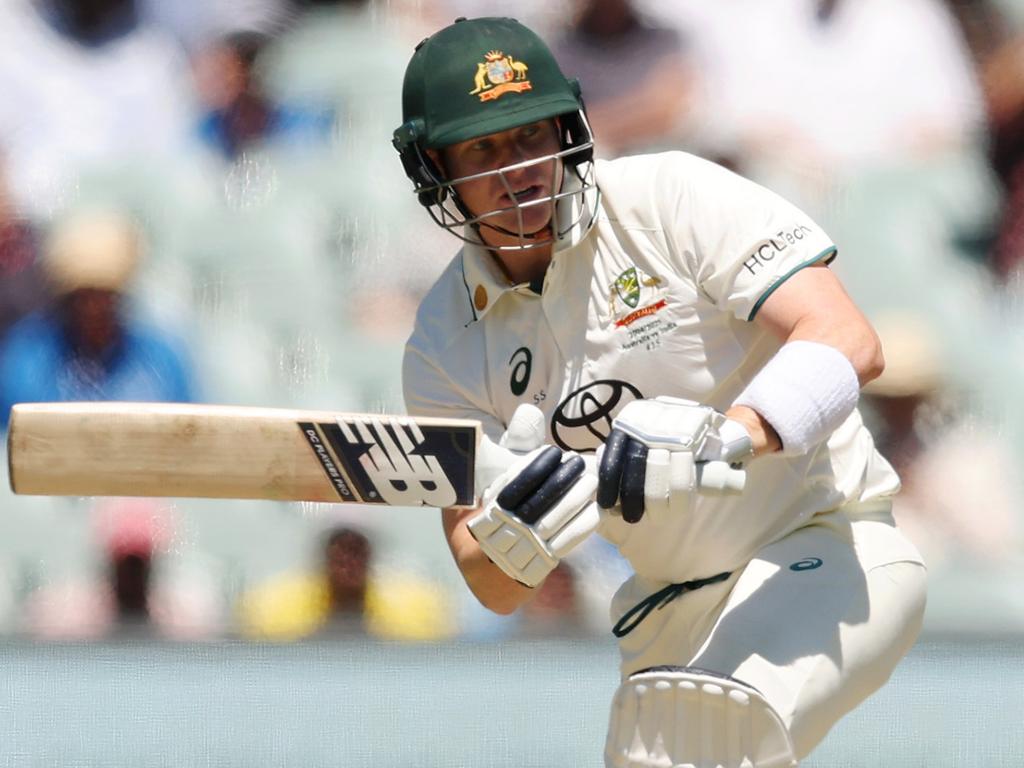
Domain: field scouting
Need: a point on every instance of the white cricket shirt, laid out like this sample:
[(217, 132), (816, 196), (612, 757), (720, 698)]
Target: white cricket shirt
[(656, 299)]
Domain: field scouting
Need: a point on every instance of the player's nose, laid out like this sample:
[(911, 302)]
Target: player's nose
[(525, 172)]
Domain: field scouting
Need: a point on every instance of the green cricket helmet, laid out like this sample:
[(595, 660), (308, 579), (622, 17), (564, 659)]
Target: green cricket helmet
[(482, 76)]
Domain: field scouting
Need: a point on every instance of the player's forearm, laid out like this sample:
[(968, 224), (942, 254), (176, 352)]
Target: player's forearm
[(806, 391), (495, 591), (814, 306), (856, 339), (810, 387)]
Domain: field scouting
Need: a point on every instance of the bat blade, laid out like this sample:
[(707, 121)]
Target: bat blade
[(234, 452)]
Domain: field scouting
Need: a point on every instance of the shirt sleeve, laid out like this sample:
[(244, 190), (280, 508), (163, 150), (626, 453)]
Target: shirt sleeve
[(429, 392), (741, 240)]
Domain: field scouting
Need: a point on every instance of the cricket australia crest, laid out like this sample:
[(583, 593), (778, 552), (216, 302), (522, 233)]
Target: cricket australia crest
[(499, 74), (630, 287), (627, 288)]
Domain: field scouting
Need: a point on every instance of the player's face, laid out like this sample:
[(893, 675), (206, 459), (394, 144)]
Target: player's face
[(513, 189)]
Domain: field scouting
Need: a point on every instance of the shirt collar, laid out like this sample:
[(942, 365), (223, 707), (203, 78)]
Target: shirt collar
[(485, 282)]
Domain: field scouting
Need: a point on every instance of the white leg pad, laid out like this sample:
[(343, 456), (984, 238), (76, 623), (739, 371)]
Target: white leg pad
[(681, 717)]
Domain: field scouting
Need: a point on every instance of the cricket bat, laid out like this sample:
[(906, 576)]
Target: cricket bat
[(220, 451)]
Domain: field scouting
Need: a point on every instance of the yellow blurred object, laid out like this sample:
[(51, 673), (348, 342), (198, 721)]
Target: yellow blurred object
[(405, 608), (295, 606), (285, 609), (93, 249)]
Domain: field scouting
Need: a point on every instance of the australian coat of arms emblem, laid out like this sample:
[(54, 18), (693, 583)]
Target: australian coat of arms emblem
[(499, 74)]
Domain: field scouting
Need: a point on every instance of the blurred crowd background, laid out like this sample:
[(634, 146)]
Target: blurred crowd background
[(199, 202)]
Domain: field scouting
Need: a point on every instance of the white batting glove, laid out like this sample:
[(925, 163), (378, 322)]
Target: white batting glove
[(538, 510), (525, 434), (661, 451)]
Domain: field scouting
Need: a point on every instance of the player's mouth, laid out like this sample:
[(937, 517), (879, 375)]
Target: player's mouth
[(524, 194)]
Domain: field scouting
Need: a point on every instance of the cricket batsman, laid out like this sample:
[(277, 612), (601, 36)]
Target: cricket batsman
[(663, 352)]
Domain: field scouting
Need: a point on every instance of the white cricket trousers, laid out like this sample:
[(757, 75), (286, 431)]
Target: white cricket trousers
[(816, 622)]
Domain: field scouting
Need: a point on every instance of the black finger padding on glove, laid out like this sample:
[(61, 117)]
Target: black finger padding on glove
[(520, 487), (551, 491), (544, 481), (610, 472), (621, 476)]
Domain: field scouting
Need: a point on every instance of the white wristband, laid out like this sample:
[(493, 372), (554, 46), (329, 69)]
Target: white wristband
[(805, 392)]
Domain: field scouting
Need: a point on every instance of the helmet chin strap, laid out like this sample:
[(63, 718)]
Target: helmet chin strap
[(546, 229)]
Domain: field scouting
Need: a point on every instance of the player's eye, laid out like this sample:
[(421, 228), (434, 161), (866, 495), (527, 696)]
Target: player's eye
[(534, 131)]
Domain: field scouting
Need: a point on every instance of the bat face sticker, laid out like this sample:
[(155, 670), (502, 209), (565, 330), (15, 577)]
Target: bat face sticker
[(394, 461)]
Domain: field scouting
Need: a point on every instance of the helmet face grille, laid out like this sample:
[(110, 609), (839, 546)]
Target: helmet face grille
[(441, 198)]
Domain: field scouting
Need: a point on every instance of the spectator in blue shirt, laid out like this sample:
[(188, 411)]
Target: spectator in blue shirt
[(85, 345)]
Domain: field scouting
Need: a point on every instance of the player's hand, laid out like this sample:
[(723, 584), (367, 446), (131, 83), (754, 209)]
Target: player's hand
[(539, 508), (661, 451)]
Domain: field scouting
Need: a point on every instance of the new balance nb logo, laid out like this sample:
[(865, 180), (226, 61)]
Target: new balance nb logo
[(390, 452)]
